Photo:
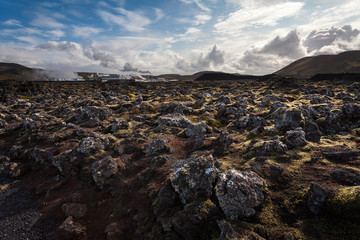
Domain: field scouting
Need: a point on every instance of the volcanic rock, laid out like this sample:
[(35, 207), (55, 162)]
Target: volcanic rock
[(239, 193), (194, 178)]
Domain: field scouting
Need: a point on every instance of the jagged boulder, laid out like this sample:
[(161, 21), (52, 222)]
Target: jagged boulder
[(173, 120), (351, 110), (346, 176), (317, 196), (196, 130), (312, 132), (194, 178), (91, 116), (41, 156), (70, 229), (334, 122), (223, 141), (28, 124), (250, 122), (227, 232), (289, 120), (268, 147), (94, 143), (103, 170), (239, 193), (295, 138), (119, 124), (169, 108), (76, 210), (231, 112), (157, 146), (2, 123), (266, 101), (223, 99)]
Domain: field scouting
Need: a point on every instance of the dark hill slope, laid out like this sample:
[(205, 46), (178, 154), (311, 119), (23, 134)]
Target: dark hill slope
[(219, 76), (310, 66), (13, 71)]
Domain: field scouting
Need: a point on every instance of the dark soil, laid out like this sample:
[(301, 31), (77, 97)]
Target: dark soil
[(20, 217)]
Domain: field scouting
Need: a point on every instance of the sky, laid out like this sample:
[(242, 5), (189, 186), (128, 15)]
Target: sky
[(175, 36)]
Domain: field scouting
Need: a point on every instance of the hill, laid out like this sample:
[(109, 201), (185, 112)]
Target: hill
[(309, 66), (219, 76), (207, 76), (13, 71), (180, 77)]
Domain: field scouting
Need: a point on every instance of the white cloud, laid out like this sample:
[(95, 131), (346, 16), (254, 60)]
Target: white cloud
[(202, 19), (258, 64), (12, 22), (198, 3), (255, 17), (318, 39), (46, 22), (57, 33), (85, 32), (28, 39), (339, 15), (159, 14), (131, 21), (273, 55), (191, 34)]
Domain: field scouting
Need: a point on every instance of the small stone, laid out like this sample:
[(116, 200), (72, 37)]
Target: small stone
[(75, 210), (70, 229)]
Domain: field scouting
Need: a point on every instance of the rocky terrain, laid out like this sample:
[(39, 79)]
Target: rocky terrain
[(275, 158)]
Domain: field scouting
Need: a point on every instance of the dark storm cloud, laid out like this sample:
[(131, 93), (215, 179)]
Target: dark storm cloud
[(288, 46)]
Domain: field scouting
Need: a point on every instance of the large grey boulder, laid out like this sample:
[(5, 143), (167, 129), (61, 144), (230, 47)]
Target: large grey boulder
[(103, 170), (194, 177), (174, 120), (346, 176), (289, 120), (119, 124), (196, 130), (295, 138), (157, 146), (93, 143), (250, 122), (268, 147), (239, 193), (92, 116), (312, 132)]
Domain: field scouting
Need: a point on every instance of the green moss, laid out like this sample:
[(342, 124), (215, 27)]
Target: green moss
[(206, 206), (341, 218), (25, 97), (267, 215), (132, 96), (346, 203)]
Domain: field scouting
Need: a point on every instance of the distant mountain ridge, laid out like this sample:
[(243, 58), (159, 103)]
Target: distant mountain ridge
[(323, 64), (13, 71)]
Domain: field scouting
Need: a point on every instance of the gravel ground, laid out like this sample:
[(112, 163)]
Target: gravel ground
[(20, 217)]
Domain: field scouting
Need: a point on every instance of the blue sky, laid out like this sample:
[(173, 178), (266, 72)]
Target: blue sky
[(175, 36)]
